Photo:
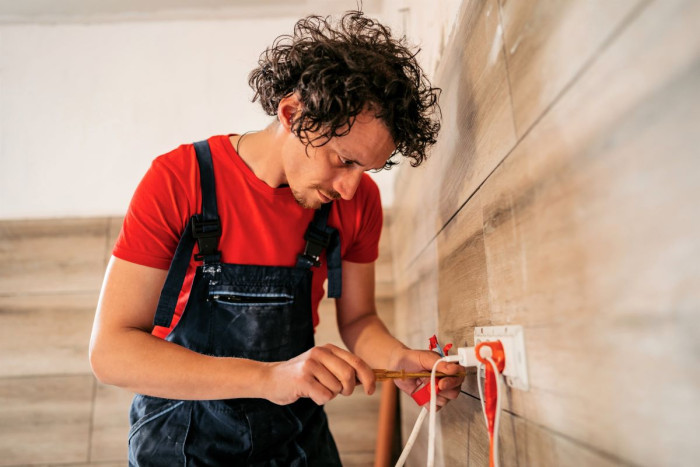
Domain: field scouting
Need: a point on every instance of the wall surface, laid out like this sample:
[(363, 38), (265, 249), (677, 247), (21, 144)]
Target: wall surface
[(84, 108), (86, 102), (562, 196)]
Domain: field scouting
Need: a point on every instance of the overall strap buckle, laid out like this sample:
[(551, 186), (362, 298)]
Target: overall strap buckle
[(207, 233), (317, 240)]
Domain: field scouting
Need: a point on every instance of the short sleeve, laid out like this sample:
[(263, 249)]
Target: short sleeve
[(159, 211), (368, 219)]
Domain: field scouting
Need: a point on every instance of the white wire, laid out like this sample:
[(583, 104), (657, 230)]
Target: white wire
[(481, 393), (421, 416), (499, 381), (412, 438), (433, 409)]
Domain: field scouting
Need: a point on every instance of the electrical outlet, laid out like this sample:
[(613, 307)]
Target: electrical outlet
[(511, 337)]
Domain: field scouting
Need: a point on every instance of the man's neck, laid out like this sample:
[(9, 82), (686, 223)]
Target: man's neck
[(260, 151)]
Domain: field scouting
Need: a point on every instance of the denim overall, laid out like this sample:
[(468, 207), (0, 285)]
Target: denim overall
[(261, 313)]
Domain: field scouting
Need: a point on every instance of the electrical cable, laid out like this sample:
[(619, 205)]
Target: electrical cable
[(481, 392), (433, 408), (465, 358), (412, 438), (421, 417), (494, 437)]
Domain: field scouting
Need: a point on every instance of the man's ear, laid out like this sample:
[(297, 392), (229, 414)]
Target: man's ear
[(287, 108)]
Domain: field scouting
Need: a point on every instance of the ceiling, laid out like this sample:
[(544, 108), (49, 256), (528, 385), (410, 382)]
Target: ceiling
[(82, 11)]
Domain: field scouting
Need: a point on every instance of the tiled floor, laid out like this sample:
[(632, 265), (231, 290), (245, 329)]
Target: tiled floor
[(52, 410)]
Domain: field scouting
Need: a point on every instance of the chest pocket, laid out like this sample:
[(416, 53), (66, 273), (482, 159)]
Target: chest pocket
[(261, 322)]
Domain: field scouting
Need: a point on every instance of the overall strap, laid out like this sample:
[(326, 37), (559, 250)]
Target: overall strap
[(320, 236), (204, 228)]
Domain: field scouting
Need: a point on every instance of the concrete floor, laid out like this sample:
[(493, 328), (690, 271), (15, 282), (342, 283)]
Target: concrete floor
[(52, 410)]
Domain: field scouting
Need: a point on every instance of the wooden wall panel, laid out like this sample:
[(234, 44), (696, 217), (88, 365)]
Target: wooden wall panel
[(462, 440), (548, 42), (416, 301), (522, 443), (476, 111), (33, 265), (587, 235)]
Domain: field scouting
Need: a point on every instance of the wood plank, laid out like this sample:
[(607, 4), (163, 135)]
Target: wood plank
[(49, 256), (548, 42), (590, 231), (45, 334), (520, 441), (115, 226), (110, 424), (353, 421), (45, 419), (477, 132), (416, 302), (462, 439)]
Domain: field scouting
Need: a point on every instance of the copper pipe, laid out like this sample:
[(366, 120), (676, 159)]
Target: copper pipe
[(386, 425)]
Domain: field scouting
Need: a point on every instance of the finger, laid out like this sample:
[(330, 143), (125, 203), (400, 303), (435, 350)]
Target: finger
[(449, 394), (319, 393), (427, 358), (441, 402), (450, 383), (361, 371), (329, 357), (319, 371), (450, 368), (408, 386)]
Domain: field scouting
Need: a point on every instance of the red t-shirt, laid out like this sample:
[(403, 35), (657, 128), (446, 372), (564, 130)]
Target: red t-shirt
[(261, 225)]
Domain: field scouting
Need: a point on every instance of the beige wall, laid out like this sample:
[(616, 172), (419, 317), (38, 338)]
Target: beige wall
[(89, 99), (562, 196)]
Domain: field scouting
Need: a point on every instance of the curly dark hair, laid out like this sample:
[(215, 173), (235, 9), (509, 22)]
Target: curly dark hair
[(340, 70)]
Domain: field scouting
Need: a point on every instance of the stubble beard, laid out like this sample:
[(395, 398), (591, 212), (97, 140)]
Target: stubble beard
[(302, 202), (298, 197)]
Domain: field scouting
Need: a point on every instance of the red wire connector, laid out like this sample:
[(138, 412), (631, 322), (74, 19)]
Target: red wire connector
[(422, 395), (494, 351)]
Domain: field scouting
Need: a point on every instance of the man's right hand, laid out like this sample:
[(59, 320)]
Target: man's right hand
[(320, 373)]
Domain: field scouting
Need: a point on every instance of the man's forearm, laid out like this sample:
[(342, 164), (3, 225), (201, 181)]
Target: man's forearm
[(145, 364), (368, 338)]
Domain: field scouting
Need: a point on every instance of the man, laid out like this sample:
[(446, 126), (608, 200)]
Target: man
[(219, 345)]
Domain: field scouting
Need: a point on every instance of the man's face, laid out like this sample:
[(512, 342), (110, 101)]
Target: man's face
[(334, 170)]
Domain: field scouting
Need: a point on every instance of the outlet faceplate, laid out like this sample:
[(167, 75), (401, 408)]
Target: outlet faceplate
[(511, 337)]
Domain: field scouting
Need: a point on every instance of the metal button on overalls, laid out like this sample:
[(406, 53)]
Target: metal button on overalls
[(261, 313)]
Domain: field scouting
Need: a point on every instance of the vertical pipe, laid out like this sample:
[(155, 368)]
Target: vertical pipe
[(386, 425)]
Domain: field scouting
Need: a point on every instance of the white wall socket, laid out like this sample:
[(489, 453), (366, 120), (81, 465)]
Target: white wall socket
[(511, 337)]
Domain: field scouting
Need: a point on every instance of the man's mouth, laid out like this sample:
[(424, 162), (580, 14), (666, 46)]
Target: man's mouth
[(324, 198)]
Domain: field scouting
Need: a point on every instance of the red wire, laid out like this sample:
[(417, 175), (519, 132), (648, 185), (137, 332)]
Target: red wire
[(490, 389)]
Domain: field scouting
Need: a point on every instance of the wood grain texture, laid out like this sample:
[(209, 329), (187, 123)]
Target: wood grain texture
[(110, 424), (61, 255), (416, 302), (45, 420), (588, 235), (477, 132), (45, 334), (353, 421), (522, 443), (548, 42), (115, 226)]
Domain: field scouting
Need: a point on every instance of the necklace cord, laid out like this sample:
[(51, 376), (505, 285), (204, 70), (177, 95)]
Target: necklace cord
[(240, 138)]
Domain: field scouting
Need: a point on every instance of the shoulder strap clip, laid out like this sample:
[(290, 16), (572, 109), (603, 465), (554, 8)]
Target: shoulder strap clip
[(207, 233)]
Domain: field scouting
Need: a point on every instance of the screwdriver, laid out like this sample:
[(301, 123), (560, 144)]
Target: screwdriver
[(383, 375)]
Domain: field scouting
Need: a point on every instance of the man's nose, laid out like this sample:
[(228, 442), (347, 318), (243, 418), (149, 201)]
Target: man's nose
[(346, 183)]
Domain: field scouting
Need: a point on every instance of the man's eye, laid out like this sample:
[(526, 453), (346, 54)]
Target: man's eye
[(345, 161)]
